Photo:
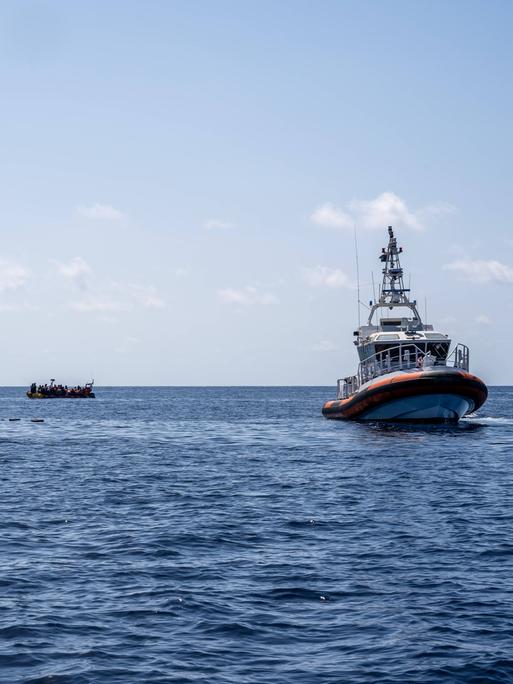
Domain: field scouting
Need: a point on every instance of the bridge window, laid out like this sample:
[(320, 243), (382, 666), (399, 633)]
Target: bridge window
[(388, 336), (438, 349)]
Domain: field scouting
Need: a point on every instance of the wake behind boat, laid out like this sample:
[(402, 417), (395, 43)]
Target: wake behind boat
[(407, 371), (53, 391)]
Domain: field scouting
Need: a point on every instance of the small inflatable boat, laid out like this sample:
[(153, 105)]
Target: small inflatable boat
[(407, 371), (53, 391)]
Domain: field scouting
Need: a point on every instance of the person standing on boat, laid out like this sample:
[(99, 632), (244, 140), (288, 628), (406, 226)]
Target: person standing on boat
[(429, 360)]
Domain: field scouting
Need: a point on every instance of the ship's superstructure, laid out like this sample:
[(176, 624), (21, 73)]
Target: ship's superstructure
[(396, 344), (399, 334)]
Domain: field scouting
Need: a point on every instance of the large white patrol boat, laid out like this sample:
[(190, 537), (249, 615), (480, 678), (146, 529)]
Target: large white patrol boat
[(407, 371)]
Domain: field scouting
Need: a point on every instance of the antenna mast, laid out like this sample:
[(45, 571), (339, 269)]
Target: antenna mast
[(373, 290), (393, 293), (357, 275)]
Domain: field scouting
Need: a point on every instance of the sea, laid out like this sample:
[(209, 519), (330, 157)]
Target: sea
[(232, 535)]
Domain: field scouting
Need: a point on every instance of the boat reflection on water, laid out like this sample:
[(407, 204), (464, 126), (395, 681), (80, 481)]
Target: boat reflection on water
[(407, 370)]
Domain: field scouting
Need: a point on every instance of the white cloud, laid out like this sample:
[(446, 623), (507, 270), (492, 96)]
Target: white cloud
[(325, 346), (483, 319), (215, 224), (74, 269), (120, 297), (387, 209), (99, 303), (148, 297), (23, 306), (479, 271), (101, 212), (332, 217), (12, 276), (246, 296), (322, 276), (152, 301)]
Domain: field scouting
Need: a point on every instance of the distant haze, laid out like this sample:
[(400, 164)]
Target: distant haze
[(181, 181)]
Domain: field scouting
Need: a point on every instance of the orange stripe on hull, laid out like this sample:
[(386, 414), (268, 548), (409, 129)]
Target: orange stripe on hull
[(402, 386)]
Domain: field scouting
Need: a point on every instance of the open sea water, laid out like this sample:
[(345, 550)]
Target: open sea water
[(235, 536)]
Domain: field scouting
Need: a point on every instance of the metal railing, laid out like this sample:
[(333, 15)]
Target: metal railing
[(402, 357)]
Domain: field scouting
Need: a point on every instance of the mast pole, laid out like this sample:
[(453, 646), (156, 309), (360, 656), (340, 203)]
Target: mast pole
[(357, 275), (373, 293)]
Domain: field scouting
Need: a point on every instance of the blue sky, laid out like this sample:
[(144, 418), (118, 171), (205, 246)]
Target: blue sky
[(179, 181)]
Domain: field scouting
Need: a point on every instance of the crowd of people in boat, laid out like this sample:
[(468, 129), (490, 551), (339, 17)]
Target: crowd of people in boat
[(61, 390)]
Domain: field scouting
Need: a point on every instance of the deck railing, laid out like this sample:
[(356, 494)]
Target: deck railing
[(399, 358)]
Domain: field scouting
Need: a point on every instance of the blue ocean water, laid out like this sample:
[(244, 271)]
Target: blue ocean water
[(235, 536)]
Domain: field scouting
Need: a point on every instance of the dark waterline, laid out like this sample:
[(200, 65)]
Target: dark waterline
[(233, 535)]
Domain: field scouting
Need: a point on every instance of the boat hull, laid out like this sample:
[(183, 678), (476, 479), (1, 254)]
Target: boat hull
[(428, 396), (38, 395)]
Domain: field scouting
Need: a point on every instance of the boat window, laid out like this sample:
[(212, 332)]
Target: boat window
[(391, 350), (391, 322), (408, 351), (433, 336), (388, 336), (439, 349)]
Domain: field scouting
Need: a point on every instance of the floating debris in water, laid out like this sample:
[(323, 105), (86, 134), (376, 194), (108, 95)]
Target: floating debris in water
[(13, 419), (37, 420)]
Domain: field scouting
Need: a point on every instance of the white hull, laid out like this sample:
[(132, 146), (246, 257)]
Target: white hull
[(431, 407)]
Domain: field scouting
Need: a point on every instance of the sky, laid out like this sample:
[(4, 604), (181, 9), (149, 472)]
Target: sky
[(180, 183)]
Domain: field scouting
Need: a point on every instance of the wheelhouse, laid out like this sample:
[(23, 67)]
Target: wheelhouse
[(433, 343)]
